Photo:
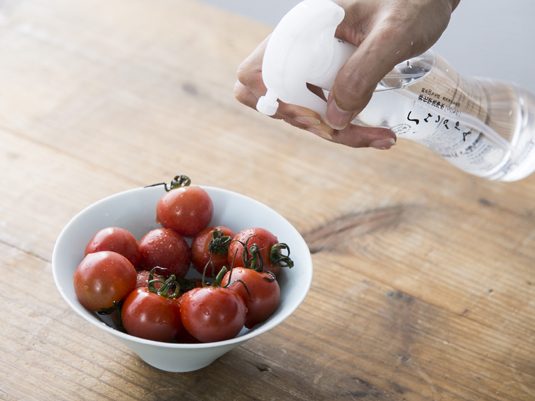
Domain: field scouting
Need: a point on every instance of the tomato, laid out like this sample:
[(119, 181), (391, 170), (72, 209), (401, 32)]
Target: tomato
[(151, 316), (184, 336), (103, 279), (263, 251), (165, 248), (115, 239), (259, 290), (212, 313), (209, 249), (143, 279), (187, 210)]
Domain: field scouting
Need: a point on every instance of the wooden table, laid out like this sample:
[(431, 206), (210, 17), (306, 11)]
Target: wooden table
[(424, 284)]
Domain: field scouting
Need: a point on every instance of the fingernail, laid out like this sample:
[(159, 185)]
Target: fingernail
[(307, 120), (336, 117), (322, 132), (384, 143)]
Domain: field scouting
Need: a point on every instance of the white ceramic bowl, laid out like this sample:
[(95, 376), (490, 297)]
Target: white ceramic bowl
[(135, 210)]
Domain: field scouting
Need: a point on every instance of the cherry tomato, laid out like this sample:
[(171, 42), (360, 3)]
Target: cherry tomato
[(143, 279), (184, 336), (148, 315), (187, 210), (259, 290), (209, 249), (165, 248), (212, 313), (115, 239), (102, 279), (264, 252)]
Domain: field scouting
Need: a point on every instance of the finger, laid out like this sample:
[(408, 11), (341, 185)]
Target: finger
[(298, 113), (300, 116), (250, 70), (294, 115), (244, 95), (353, 135), (297, 116), (358, 78), (316, 127), (358, 136)]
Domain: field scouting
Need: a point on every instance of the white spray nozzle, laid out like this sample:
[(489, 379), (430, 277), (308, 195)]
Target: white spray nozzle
[(303, 49), (268, 104)]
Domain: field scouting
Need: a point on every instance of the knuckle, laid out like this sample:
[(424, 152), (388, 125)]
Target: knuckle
[(247, 74), (242, 94), (351, 94), (242, 73), (346, 98)]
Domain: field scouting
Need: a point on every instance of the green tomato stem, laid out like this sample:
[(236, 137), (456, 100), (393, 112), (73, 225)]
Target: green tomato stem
[(219, 277), (278, 258), (177, 182)]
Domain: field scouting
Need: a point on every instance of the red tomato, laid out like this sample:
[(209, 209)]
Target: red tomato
[(259, 290), (103, 278), (209, 249), (187, 210), (184, 336), (263, 251), (165, 248), (115, 239), (148, 315), (212, 313), (143, 279)]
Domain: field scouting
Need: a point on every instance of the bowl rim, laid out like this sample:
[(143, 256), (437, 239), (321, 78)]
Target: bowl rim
[(268, 325)]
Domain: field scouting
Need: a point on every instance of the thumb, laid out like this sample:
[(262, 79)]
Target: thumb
[(353, 87)]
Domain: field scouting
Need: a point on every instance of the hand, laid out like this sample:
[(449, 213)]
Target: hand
[(385, 33)]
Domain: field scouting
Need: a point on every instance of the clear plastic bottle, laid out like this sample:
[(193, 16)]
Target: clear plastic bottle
[(482, 126)]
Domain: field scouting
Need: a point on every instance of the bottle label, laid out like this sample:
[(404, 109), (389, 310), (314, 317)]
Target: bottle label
[(451, 116), (439, 126)]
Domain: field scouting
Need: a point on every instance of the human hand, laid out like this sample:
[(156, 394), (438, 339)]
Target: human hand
[(385, 33)]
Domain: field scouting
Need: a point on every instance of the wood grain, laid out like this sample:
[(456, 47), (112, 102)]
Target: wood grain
[(423, 286)]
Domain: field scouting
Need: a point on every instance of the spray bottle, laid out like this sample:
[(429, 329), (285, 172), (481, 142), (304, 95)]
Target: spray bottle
[(484, 127)]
